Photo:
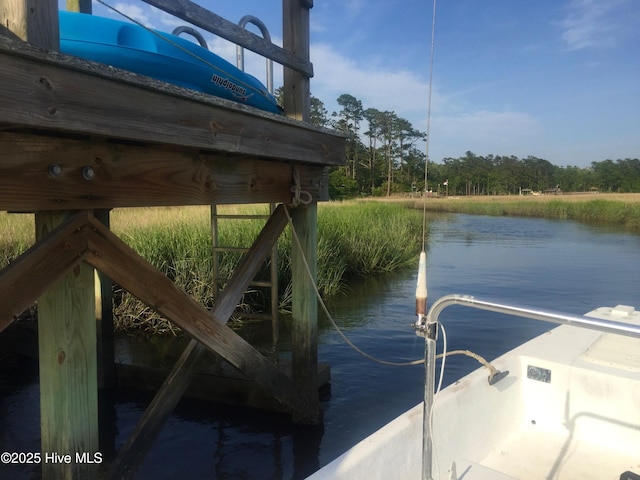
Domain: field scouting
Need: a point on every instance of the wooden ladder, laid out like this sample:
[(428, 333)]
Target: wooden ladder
[(220, 280)]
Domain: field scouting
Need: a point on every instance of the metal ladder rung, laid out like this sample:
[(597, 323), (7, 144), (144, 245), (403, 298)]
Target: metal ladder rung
[(255, 316), (254, 283), (219, 281), (244, 217), (231, 249)]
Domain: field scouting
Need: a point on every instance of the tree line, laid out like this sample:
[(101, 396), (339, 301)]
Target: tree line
[(385, 155)]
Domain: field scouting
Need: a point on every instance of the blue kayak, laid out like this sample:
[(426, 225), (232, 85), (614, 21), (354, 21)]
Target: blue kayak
[(171, 59)]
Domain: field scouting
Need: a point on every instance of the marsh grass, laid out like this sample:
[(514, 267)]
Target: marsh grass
[(616, 209), (16, 235), (355, 240)]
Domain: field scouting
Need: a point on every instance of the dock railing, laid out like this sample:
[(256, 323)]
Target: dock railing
[(209, 21)]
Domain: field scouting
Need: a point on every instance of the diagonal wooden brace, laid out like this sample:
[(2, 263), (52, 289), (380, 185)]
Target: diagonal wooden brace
[(42, 265), (117, 260), (83, 238), (236, 351)]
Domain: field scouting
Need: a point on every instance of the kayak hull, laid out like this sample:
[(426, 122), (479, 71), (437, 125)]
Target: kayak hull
[(162, 56)]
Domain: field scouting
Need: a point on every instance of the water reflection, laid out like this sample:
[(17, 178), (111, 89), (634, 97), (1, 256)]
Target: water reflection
[(551, 264)]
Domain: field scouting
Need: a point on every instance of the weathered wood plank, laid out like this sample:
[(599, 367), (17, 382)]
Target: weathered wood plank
[(295, 33), (110, 255), (195, 354), (83, 6), (44, 264), (66, 323), (51, 91), (203, 18), (304, 308), (68, 366), (104, 319), (32, 20), (127, 176)]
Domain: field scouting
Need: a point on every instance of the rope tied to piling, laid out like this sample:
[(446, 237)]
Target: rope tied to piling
[(299, 197), (324, 308)]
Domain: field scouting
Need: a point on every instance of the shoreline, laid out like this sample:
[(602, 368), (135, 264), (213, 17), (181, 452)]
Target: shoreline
[(621, 209)]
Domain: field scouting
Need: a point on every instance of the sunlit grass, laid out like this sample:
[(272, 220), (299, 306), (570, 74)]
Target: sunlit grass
[(355, 240), (615, 209), (17, 233)]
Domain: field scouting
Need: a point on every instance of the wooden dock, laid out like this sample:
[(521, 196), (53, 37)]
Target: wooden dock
[(218, 381), (79, 138)]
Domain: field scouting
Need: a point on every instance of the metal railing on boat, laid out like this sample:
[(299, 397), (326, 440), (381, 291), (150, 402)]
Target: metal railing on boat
[(428, 328)]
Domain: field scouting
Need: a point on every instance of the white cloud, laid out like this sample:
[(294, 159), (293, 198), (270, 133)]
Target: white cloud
[(132, 11), (401, 91), (147, 16), (590, 23), (454, 128)]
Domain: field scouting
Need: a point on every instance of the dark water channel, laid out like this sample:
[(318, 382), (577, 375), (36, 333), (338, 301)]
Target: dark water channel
[(553, 264)]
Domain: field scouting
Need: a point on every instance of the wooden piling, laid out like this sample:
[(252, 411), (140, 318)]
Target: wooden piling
[(305, 220), (34, 21), (103, 290), (67, 328), (304, 335), (68, 367), (83, 6)]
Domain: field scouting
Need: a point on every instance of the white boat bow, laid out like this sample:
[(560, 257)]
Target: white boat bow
[(569, 409)]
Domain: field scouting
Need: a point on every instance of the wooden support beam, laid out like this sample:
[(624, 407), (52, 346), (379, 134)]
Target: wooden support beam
[(34, 21), (39, 172), (104, 319), (112, 256), (66, 322), (297, 97), (104, 294), (56, 92), (295, 33), (82, 237), (194, 357), (47, 262), (304, 309), (68, 366)]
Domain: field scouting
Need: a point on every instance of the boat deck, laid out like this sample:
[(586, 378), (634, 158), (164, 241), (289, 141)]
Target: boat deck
[(537, 454), (569, 409)]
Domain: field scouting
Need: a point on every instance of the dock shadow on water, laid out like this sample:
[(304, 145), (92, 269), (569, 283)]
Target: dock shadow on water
[(558, 265), (211, 440), (201, 439)]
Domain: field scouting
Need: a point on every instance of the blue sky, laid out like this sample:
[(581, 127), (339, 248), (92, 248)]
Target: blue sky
[(557, 79)]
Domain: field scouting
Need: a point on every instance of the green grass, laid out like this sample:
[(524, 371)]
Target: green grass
[(610, 209), (16, 235), (355, 240)]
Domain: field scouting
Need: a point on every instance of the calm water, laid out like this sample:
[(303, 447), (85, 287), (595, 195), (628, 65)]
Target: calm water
[(557, 265)]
